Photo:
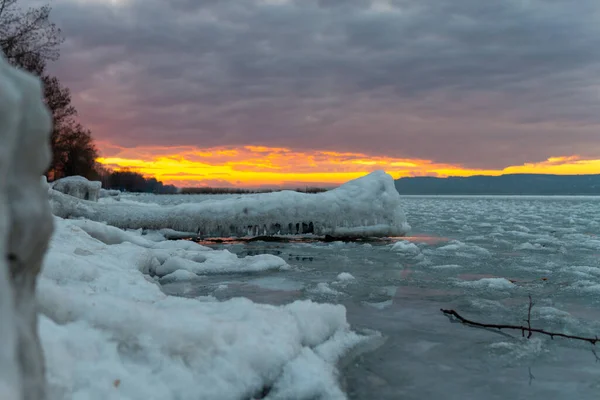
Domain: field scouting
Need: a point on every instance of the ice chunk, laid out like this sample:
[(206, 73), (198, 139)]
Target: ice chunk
[(324, 288), (178, 276), (382, 305), (460, 248), (78, 186), (446, 266), (406, 248), (221, 262), (368, 206), (345, 277), (489, 283)]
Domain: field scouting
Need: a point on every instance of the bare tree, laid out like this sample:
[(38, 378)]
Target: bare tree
[(27, 36), (30, 40)]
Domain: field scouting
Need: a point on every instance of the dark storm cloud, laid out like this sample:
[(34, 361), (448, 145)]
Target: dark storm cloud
[(483, 83)]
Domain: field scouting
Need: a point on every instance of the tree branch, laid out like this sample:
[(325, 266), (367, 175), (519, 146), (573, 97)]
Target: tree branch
[(528, 328), (528, 320)]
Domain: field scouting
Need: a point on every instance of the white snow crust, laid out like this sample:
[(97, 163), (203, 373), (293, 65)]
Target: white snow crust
[(368, 206)]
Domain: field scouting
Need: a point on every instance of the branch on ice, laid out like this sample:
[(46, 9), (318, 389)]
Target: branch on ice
[(524, 329), (368, 206), (25, 228)]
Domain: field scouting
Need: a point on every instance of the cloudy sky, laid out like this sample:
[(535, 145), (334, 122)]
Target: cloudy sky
[(220, 91)]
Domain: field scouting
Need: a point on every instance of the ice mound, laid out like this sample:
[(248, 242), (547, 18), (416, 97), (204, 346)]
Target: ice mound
[(368, 206), (459, 248), (324, 289), (110, 193), (406, 248), (109, 332), (78, 186), (345, 277), (167, 257)]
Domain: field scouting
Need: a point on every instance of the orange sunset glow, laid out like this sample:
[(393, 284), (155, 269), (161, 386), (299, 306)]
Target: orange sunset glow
[(258, 166)]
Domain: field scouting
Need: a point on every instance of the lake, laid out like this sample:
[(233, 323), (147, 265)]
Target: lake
[(483, 257)]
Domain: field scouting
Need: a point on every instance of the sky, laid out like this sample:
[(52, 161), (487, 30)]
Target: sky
[(317, 92)]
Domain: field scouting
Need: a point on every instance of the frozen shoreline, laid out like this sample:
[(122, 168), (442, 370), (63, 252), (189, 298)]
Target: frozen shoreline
[(368, 206), (108, 329)]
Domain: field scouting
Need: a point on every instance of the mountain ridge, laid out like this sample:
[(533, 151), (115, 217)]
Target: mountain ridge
[(509, 184)]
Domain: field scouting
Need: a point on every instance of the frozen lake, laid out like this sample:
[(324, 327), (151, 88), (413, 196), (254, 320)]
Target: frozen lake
[(481, 256)]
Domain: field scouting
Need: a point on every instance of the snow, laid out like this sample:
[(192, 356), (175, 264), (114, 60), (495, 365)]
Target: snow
[(78, 186), (167, 257), (489, 283), (406, 248), (459, 247), (446, 266), (324, 289), (221, 262), (25, 228), (368, 206), (345, 277), (109, 331), (178, 276), (110, 193)]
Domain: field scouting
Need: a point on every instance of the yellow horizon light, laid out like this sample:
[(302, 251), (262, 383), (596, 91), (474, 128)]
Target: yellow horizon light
[(253, 166)]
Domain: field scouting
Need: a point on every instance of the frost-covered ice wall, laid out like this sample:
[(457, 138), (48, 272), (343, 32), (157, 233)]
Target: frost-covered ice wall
[(25, 228), (368, 206)]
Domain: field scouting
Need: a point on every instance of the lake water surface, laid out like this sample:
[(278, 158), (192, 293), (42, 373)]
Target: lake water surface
[(482, 256)]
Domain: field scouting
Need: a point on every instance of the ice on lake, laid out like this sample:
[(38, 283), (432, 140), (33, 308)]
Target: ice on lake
[(482, 256)]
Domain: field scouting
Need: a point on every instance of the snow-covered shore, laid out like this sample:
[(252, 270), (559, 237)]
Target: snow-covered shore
[(109, 332)]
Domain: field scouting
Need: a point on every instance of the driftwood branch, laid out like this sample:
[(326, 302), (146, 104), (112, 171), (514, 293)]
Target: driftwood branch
[(523, 329), (531, 377), (595, 355)]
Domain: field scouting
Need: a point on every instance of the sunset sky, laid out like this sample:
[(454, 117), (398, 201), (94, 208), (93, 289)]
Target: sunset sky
[(298, 92)]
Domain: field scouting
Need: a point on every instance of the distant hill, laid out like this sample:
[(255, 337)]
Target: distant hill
[(514, 184)]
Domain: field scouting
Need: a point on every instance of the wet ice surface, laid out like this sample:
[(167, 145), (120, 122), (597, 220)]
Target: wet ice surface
[(479, 255)]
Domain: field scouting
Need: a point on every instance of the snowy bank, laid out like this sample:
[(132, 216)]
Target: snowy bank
[(109, 332), (368, 206)]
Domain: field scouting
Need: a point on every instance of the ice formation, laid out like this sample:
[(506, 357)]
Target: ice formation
[(110, 332), (78, 186), (406, 247), (110, 193), (368, 206), (25, 228)]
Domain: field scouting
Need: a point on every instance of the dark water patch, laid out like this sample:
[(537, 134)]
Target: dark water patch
[(297, 239)]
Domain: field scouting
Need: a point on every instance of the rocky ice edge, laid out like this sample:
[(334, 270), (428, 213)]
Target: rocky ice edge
[(109, 332), (368, 206), (25, 228)]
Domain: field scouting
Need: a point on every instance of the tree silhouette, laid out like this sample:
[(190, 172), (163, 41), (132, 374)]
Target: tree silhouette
[(29, 40)]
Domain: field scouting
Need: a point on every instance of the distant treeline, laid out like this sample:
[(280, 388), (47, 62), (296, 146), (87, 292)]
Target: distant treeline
[(130, 181), (211, 190), (512, 184)]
